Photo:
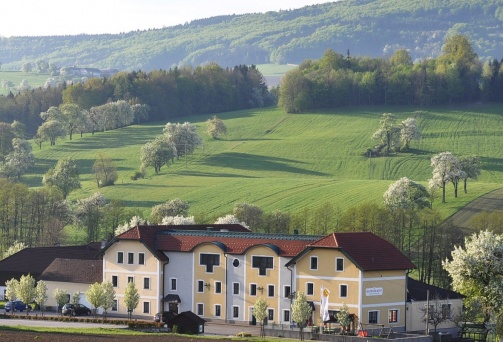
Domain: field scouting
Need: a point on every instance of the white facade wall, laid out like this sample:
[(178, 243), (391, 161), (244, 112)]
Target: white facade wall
[(180, 267)]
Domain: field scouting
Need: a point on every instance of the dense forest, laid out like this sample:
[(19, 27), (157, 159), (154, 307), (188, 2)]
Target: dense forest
[(373, 28)]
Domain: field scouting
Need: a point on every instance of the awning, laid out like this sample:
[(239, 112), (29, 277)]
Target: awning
[(172, 298)]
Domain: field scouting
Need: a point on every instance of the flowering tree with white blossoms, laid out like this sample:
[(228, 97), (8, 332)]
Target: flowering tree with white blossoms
[(177, 220), (184, 136), (446, 169), (301, 311), (16, 247), (477, 271), (406, 194), (135, 221), (230, 219), (409, 131)]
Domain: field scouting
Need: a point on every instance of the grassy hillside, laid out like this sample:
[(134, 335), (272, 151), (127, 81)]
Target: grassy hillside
[(287, 161), (34, 80)]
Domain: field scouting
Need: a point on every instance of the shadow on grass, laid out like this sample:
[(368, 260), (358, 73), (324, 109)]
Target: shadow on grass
[(253, 162), (211, 174)]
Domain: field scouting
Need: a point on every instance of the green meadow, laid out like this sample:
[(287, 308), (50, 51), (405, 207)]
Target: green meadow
[(286, 161), (34, 80)]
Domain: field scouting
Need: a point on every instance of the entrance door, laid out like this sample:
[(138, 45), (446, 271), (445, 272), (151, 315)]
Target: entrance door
[(173, 307)]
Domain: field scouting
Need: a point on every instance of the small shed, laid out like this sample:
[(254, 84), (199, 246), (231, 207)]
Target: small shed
[(187, 322)]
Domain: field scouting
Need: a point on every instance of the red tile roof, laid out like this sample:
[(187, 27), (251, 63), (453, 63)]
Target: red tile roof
[(368, 251)]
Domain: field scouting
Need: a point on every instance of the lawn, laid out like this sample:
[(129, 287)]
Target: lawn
[(286, 161)]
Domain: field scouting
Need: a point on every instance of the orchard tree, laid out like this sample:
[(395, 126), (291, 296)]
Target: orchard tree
[(445, 166), (230, 219), (215, 127), (14, 248), (157, 153), (407, 195), (63, 176), (61, 296), (6, 136), (105, 171), (259, 311), (173, 207), (409, 131), (131, 298), (277, 221), (301, 311), (73, 118), (89, 213), (27, 67), (250, 214), (389, 132), (51, 130), (135, 221), (471, 167), (140, 112), (178, 220), (184, 136), (18, 128), (41, 295), (26, 290), (11, 288), (476, 271), (19, 160)]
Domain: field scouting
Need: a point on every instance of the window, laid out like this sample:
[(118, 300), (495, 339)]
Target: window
[(262, 263), (209, 260), (287, 291), (314, 263), (130, 280), (200, 286), (173, 284), (373, 317), (146, 283), (218, 287), (200, 309), (115, 305), (130, 258), (270, 290), (218, 309), (120, 257), (235, 263), (286, 316), (253, 289), (141, 258), (270, 314), (343, 291), (235, 312), (115, 281), (146, 307), (235, 288), (310, 289), (446, 311), (339, 264), (393, 316)]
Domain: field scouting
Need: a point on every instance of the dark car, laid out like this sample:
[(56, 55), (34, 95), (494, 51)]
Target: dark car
[(164, 316), (16, 305), (75, 310)]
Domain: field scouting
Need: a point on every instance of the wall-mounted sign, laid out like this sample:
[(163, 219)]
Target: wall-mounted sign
[(374, 291)]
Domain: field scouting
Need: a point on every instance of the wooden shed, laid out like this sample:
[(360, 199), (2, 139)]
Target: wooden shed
[(187, 322)]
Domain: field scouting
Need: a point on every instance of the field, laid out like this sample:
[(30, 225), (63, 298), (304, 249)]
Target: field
[(34, 80), (286, 161)]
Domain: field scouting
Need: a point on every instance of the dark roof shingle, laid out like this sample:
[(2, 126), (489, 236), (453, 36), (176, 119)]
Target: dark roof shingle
[(74, 271)]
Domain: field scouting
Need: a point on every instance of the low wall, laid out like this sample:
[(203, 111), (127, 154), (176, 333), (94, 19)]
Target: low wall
[(294, 333)]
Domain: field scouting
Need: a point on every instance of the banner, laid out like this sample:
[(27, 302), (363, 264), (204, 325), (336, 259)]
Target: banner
[(324, 304)]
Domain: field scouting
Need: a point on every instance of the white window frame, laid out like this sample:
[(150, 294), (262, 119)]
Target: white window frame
[(215, 308), (171, 284), (340, 290), (119, 252), (215, 286), (256, 289), (234, 288), (144, 261), (368, 316), (336, 263), (289, 291), (132, 256), (397, 316), (234, 307), (149, 283), (117, 280), (307, 289), (128, 278), (269, 310), (273, 290), (200, 305), (199, 281), (311, 263), (143, 307), (205, 266), (289, 316), (116, 302)]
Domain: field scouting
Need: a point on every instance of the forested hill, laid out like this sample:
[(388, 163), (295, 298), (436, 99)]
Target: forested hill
[(373, 28)]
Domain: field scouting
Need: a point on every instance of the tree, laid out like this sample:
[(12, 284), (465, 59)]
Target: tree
[(14, 248), (157, 153), (215, 127), (173, 207), (51, 130), (476, 271), (301, 311), (277, 221), (445, 166), (61, 296), (19, 160), (73, 117), (89, 213), (260, 312), (343, 318), (105, 171), (11, 289), (95, 296), (41, 295), (409, 131), (131, 298), (108, 296), (471, 167), (6, 136), (406, 194), (388, 133), (26, 290), (135, 221), (140, 112), (75, 297), (230, 219), (63, 176), (437, 312), (184, 136), (26, 67), (18, 128), (252, 215), (42, 66), (177, 220)]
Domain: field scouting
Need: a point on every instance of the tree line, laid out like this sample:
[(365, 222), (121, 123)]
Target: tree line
[(335, 80), (176, 92)]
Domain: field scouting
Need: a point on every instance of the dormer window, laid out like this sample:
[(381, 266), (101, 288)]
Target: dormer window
[(209, 260), (262, 263)]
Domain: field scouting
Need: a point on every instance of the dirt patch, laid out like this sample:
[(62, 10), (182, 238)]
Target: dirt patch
[(22, 336)]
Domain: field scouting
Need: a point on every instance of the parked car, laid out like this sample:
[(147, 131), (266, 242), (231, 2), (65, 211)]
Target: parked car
[(164, 316), (75, 310), (16, 305)]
